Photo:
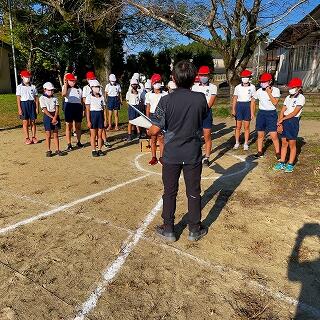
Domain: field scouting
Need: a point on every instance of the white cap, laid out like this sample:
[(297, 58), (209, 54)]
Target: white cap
[(172, 85), (134, 81), (94, 83), (112, 78), (48, 86), (147, 85), (136, 75)]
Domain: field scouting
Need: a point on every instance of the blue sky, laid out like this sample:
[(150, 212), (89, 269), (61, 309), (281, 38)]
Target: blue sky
[(294, 17)]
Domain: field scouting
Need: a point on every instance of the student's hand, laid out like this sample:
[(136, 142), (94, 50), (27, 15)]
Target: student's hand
[(252, 116), (269, 90), (89, 125), (233, 113), (20, 112), (280, 128), (279, 122), (54, 120), (105, 124)]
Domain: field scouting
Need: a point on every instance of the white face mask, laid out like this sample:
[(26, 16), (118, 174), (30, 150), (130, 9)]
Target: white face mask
[(204, 80), (95, 89), (113, 82), (49, 93), (25, 80), (157, 86), (264, 85), (292, 91), (245, 80)]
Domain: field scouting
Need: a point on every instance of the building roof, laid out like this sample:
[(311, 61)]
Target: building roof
[(295, 32)]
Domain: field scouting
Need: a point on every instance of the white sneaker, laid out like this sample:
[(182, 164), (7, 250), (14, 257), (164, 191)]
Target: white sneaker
[(236, 146), (245, 147)]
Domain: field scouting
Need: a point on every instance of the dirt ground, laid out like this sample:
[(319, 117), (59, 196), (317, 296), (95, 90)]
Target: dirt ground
[(260, 259)]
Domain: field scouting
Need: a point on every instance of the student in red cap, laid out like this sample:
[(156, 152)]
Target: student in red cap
[(152, 99), (28, 106), (210, 91), (288, 124), (243, 105), (267, 116), (73, 110)]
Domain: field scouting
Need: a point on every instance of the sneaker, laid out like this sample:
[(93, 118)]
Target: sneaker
[(69, 147), (197, 235), (95, 154), (153, 161), (278, 156), (49, 154), (161, 161), (79, 145), (109, 128), (245, 147), (258, 155), (206, 162), (279, 166), (60, 153), (165, 234), (100, 153), (107, 144), (289, 168), (129, 138), (74, 134), (28, 141), (236, 146), (35, 140)]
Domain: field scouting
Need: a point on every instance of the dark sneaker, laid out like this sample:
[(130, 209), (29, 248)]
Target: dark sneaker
[(69, 147), (107, 144), (258, 155), (129, 138), (153, 161), (206, 162), (100, 153), (278, 156), (79, 144), (161, 161), (95, 154), (164, 234), (60, 153), (49, 154), (197, 235)]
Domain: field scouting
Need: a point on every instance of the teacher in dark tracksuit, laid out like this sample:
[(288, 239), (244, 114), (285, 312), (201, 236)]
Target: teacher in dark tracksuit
[(180, 116)]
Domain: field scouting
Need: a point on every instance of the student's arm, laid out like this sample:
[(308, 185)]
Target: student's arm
[(19, 105), (212, 101), (296, 110), (148, 110), (120, 95), (88, 115), (234, 103), (36, 100), (105, 116), (64, 88), (273, 99), (253, 108)]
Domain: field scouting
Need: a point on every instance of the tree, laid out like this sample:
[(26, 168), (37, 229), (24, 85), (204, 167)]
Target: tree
[(234, 28)]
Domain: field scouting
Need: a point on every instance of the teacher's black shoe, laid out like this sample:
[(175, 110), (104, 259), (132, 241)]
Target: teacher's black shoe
[(197, 235), (164, 234)]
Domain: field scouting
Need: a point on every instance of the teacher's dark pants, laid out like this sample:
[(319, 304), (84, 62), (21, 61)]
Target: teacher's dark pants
[(192, 177)]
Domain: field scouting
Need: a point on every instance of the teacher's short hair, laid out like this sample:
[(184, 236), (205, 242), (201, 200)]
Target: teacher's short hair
[(184, 74)]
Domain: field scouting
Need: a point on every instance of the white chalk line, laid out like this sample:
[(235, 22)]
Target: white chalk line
[(277, 295), (246, 167), (67, 206), (113, 269)]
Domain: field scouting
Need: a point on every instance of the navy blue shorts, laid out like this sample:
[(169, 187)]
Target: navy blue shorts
[(28, 110), (47, 123), (113, 103), (207, 120), (267, 121), (243, 111), (97, 119), (291, 128), (73, 112), (132, 114)]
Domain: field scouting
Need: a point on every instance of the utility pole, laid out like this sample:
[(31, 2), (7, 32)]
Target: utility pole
[(258, 61), (12, 44)]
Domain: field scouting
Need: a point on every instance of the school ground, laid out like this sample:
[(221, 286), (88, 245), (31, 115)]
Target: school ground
[(77, 235)]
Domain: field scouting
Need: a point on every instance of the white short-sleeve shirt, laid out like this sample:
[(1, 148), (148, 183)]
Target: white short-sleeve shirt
[(95, 103), (208, 90), (113, 90), (50, 103), (264, 99), (26, 93), (74, 95), (244, 93), (292, 102), (132, 98), (153, 99)]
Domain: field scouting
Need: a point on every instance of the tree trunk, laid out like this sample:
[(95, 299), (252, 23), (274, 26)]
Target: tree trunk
[(102, 62), (233, 79)]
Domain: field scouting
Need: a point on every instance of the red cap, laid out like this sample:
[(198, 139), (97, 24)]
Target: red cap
[(25, 73), (197, 79), (295, 83), (265, 77), (70, 77), (246, 73), (90, 75), (204, 70), (155, 78)]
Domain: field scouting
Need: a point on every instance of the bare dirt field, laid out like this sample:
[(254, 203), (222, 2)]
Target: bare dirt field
[(77, 235)]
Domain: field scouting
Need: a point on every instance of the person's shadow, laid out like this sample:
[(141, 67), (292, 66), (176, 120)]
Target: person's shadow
[(307, 272), (224, 186)]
